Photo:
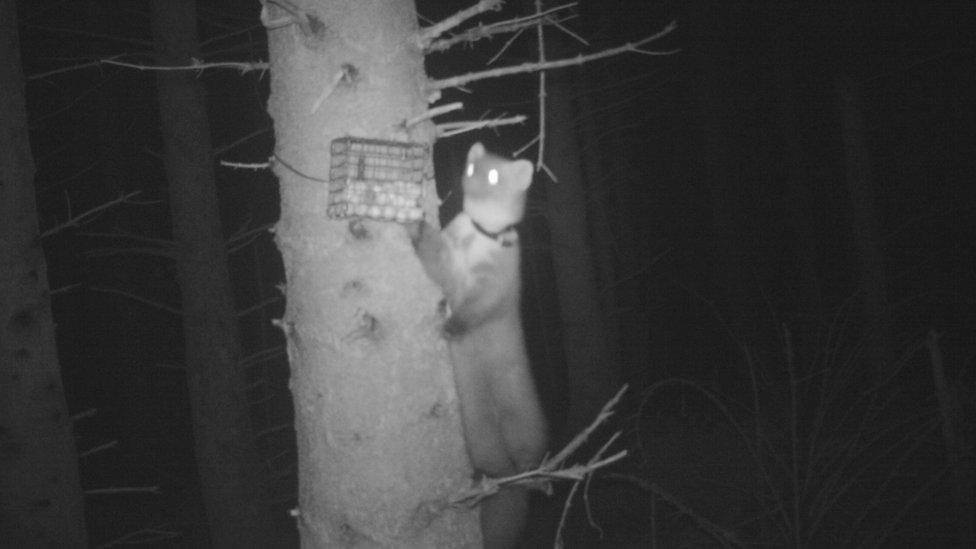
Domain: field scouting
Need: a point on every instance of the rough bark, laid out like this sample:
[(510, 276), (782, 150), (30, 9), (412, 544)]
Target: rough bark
[(378, 432), (41, 502), (227, 457)]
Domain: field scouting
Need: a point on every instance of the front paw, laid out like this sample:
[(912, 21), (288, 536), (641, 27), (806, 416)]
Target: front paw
[(414, 231)]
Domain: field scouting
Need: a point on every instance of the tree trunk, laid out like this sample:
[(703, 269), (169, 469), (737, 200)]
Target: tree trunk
[(795, 179), (866, 229), (41, 501), (593, 375), (731, 273), (598, 196), (227, 457), (378, 429), (720, 98), (125, 350)]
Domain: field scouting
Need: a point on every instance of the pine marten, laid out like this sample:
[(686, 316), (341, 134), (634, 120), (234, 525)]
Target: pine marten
[(475, 261)]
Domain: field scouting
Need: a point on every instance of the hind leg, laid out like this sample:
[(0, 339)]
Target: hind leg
[(521, 443), (502, 514), (503, 517)]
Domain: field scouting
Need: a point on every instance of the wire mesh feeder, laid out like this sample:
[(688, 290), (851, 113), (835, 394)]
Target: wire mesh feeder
[(376, 179)]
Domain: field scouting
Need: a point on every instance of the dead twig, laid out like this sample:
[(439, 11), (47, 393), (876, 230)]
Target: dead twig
[(89, 215), (428, 34), (633, 47), (550, 469)]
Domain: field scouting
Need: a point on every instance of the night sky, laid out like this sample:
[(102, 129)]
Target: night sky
[(717, 181)]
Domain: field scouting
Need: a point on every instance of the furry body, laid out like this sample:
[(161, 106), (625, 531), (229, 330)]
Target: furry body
[(475, 260)]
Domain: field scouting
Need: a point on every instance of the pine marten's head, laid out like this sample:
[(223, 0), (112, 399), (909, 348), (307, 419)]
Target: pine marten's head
[(495, 188)]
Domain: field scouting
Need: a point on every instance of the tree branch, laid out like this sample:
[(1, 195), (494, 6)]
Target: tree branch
[(428, 34), (432, 112), (548, 469), (540, 40), (511, 25), (100, 448), (195, 65), (143, 536), (450, 129), (143, 300), (579, 439), (634, 47), (246, 165), (122, 490), (89, 215)]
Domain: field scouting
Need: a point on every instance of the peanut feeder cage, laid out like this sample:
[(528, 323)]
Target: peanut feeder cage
[(376, 179)]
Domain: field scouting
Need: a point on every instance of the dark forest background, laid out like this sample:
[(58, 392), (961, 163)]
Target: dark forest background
[(782, 215)]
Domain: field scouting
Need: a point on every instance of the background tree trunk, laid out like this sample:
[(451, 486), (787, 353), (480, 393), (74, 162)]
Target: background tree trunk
[(730, 240), (865, 225), (41, 503), (795, 182), (593, 375), (227, 457), (376, 415)]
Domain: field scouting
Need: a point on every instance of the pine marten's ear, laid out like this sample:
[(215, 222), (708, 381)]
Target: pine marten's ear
[(520, 174), (475, 152)]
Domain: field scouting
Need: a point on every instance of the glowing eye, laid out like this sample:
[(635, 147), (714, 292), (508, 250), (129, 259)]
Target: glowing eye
[(492, 176), (470, 170)]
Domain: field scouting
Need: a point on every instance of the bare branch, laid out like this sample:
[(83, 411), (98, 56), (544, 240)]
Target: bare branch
[(427, 35), (89, 215), (594, 463), (540, 39), (91, 412), (573, 35), (275, 429), (517, 24), (143, 300), (545, 167), (450, 129), (144, 536), (246, 165), (148, 252), (64, 289), (221, 150), (548, 469), (431, 113), (579, 439), (259, 305), (99, 448), (521, 150), (52, 72), (257, 357), (245, 237), (123, 490), (195, 65), (634, 47), (501, 51)]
